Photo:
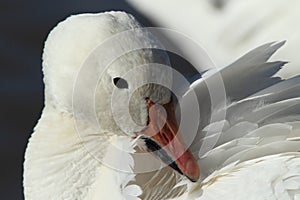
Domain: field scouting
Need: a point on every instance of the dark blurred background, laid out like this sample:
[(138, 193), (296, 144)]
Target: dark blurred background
[(24, 27)]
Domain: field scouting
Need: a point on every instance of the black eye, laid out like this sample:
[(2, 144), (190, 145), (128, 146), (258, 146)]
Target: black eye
[(120, 83)]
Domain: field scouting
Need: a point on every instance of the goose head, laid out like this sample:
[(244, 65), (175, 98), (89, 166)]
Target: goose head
[(90, 73)]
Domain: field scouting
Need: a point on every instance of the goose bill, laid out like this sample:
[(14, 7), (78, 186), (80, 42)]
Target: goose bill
[(164, 141)]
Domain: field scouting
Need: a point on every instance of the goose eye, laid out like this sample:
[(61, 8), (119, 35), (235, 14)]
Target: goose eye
[(120, 83)]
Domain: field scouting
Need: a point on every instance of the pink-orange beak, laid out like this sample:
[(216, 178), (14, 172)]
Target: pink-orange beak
[(163, 137)]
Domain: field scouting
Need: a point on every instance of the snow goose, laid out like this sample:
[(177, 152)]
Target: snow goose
[(85, 145)]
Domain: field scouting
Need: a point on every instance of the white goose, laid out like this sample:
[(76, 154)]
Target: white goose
[(254, 155)]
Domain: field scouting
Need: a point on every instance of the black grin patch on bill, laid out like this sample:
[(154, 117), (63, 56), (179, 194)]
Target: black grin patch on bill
[(156, 149)]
